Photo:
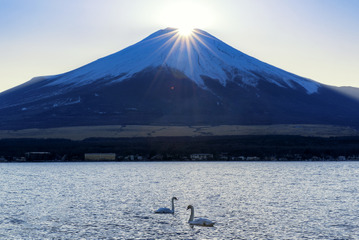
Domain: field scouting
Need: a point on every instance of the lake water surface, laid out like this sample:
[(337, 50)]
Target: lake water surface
[(248, 200)]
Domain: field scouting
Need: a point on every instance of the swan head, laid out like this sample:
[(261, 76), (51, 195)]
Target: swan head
[(174, 198), (189, 207)]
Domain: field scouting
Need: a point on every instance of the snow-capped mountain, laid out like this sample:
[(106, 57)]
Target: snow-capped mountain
[(199, 54), (168, 78)]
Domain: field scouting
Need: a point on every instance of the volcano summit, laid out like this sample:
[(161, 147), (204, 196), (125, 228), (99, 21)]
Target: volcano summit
[(170, 79)]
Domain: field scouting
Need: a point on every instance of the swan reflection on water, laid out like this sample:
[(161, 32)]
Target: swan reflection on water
[(167, 210), (199, 221)]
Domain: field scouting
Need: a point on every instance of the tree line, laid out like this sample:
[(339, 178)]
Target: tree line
[(260, 146)]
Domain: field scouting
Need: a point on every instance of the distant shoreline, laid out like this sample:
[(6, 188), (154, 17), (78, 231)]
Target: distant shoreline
[(215, 148), (173, 161)]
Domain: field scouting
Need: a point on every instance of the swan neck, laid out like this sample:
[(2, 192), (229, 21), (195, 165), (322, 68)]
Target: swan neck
[(173, 205), (192, 215)]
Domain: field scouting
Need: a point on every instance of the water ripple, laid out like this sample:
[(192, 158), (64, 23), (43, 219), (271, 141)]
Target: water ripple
[(248, 200)]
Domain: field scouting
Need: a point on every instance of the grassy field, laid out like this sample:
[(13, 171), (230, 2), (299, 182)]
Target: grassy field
[(129, 131)]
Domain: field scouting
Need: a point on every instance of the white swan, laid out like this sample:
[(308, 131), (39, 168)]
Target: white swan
[(199, 221), (167, 210)]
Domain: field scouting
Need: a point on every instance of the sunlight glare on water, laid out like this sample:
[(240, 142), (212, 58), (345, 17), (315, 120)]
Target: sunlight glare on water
[(248, 200)]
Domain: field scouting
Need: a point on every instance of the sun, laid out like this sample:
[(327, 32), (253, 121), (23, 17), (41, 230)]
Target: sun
[(185, 31), (186, 15)]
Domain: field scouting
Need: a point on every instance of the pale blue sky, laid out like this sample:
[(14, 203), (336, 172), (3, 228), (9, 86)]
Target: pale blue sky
[(317, 39)]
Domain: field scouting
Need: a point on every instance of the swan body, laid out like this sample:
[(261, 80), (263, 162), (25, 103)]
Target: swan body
[(167, 210), (199, 221)]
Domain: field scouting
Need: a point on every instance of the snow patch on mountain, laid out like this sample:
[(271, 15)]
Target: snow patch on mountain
[(67, 101)]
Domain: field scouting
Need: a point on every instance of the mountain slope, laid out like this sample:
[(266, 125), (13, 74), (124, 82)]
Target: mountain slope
[(170, 79)]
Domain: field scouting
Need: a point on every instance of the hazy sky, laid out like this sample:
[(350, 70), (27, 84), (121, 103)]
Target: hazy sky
[(317, 39)]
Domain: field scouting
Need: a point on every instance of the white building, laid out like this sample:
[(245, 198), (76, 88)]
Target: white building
[(201, 156), (100, 156)]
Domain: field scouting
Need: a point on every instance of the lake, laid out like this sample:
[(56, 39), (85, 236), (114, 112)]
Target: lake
[(248, 200)]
